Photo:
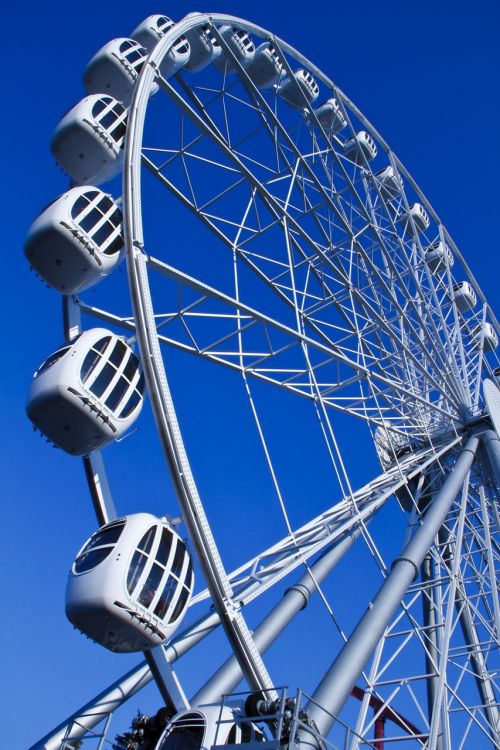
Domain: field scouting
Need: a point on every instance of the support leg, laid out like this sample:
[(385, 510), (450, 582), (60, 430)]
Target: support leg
[(338, 682)]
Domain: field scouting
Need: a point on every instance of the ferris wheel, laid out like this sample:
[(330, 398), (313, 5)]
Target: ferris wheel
[(323, 320)]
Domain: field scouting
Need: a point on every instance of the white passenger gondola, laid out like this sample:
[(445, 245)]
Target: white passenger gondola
[(130, 584), (438, 256), (265, 68), (299, 90), (205, 48), (485, 334), (88, 141), (420, 218), (464, 296), (331, 117), (240, 45), (208, 726), (496, 375), (360, 147), (115, 68), (88, 393), (151, 30), (77, 240), (389, 183)]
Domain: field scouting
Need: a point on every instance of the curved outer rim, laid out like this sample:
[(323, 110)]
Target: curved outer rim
[(164, 413), (162, 403)]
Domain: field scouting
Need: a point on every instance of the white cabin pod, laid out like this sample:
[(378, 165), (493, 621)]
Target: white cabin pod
[(77, 240), (205, 48), (331, 117), (496, 375), (88, 393), (299, 90), (485, 333), (240, 45), (208, 726), (360, 148), (464, 296), (88, 141), (151, 30), (130, 584), (438, 256), (115, 68), (265, 68), (420, 218), (389, 182)]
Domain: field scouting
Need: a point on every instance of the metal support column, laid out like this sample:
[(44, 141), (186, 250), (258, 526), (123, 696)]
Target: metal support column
[(431, 642), (339, 680), (491, 443)]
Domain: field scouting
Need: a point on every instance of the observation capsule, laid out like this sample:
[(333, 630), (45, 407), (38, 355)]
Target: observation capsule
[(88, 393), (115, 68), (420, 218), (88, 141), (360, 147), (77, 240), (204, 48), (208, 726), (298, 90), (240, 45), (464, 296), (438, 255), (266, 66), (485, 333), (151, 30), (130, 584), (496, 375), (330, 116), (389, 182)]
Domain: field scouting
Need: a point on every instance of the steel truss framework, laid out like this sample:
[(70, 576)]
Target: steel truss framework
[(324, 292)]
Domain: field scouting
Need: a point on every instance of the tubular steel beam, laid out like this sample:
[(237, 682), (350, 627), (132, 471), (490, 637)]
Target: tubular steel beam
[(336, 686), (491, 443), (431, 646)]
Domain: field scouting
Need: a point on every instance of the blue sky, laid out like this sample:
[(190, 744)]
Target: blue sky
[(426, 76)]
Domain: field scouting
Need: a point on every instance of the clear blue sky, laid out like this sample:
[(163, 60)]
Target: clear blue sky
[(426, 75)]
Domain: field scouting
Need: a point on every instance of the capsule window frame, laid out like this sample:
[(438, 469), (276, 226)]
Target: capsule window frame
[(133, 53), (244, 40), (206, 31), (117, 127), (167, 24), (110, 218), (51, 360), (88, 549), (177, 727), (132, 394), (182, 581)]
